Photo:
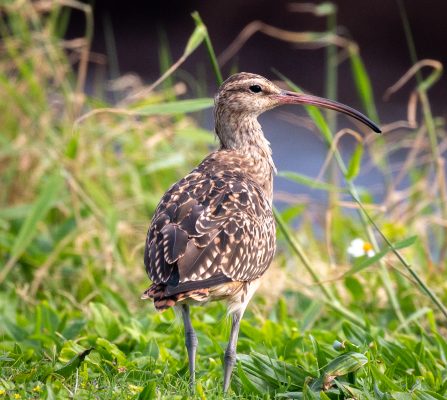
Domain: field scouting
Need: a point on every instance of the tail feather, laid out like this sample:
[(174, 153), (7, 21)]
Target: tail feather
[(163, 301)]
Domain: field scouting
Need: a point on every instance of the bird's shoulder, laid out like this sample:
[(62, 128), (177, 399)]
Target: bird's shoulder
[(218, 181)]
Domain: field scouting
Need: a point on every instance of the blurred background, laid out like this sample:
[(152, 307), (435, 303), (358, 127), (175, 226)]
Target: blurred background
[(131, 37), (88, 147), (376, 26)]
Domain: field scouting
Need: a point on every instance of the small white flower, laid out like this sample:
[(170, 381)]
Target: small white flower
[(360, 248)]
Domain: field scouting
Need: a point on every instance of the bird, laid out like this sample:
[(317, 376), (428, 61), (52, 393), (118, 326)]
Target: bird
[(212, 236)]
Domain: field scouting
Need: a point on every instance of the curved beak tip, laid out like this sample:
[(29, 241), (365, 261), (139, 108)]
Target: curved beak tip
[(287, 97)]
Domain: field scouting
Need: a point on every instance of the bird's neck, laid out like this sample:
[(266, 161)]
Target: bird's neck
[(244, 135)]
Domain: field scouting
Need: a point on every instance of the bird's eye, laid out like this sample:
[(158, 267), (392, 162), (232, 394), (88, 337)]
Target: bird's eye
[(255, 88)]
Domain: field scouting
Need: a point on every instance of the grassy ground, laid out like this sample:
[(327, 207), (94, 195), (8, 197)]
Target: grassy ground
[(76, 200)]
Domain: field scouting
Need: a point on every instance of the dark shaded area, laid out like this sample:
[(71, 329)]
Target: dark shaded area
[(375, 25)]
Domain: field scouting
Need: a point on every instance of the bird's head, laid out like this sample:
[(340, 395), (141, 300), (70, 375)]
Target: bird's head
[(245, 96)]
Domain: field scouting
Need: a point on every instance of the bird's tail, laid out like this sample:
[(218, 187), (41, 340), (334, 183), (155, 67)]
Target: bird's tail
[(163, 301)]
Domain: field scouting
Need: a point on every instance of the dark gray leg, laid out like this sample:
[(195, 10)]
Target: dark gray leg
[(230, 352), (191, 344)]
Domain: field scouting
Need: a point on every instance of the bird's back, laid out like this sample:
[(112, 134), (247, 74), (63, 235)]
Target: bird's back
[(211, 229)]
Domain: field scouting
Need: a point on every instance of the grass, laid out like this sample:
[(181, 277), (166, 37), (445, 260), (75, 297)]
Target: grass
[(81, 178)]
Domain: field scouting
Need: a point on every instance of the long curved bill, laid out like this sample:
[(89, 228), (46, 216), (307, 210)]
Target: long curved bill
[(286, 97)]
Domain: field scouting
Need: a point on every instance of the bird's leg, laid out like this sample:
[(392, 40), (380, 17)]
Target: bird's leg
[(230, 352), (191, 344)]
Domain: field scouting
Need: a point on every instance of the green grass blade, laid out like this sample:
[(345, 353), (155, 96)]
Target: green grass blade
[(212, 55), (345, 363), (355, 163), (308, 181), (363, 84), (15, 212), (339, 366), (197, 37), (175, 107), (38, 212), (71, 366), (149, 392)]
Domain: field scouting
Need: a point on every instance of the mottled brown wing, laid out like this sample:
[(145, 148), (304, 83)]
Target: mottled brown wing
[(209, 228)]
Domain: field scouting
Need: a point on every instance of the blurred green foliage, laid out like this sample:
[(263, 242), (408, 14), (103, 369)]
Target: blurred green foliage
[(80, 180)]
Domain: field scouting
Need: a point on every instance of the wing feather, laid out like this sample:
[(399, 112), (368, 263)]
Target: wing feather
[(175, 240), (214, 224)]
